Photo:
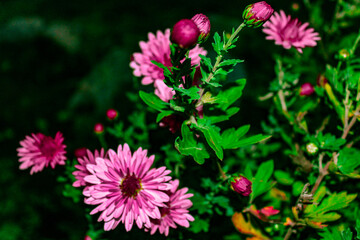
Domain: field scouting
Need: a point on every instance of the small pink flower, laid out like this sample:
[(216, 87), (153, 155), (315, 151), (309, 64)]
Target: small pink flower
[(185, 33), (241, 185), (40, 151), (175, 212), (82, 171), (126, 188), (268, 211), (164, 92), (203, 24), (290, 32), (256, 14), (111, 114), (158, 49), (98, 128), (306, 89)]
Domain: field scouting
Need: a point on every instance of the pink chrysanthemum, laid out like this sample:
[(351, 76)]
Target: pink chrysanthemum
[(175, 212), (126, 189), (82, 172), (39, 151), (290, 32), (158, 49)]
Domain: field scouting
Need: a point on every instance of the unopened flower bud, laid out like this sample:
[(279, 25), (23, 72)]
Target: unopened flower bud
[(306, 89), (111, 114), (203, 24), (321, 80), (185, 33), (241, 185), (343, 54), (256, 14), (311, 148), (98, 128), (80, 152)]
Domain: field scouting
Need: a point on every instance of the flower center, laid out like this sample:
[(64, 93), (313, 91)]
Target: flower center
[(130, 186), (48, 147)]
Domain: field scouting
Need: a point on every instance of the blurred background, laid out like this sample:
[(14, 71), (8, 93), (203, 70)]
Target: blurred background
[(64, 63)]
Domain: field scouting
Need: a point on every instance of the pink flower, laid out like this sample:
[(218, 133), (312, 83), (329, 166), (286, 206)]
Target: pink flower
[(158, 49), (290, 32), (241, 185), (39, 151), (185, 33), (88, 158), (256, 14), (126, 189), (175, 212), (164, 92), (306, 89), (203, 24)]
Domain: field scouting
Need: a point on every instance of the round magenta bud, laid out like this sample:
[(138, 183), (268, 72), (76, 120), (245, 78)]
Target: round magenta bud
[(306, 89), (98, 128), (203, 24), (80, 152), (256, 14), (185, 33), (241, 185), (111, 114)]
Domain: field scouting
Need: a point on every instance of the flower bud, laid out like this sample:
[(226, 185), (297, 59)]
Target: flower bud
[(99, 128), (343, 54), (311, 148), (203, 24), (111, 114), (321, 80), (80, 152), (306, 89), (185, 33), (241, 185), (256, 14)]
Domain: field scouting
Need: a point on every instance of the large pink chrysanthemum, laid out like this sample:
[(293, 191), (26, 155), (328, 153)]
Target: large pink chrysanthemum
[(82, 172), (290, 32), (158, 49), (126, 189), (39, 151), (175, 212)]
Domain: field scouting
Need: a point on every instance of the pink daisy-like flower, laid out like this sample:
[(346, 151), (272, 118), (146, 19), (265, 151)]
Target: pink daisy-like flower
[(39, 151), (175, 212), (157, 49), (126, 189), (82, 172), (290, 32)]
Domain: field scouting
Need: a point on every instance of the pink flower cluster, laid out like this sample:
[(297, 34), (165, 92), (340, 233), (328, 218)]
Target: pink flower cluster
[(125, 188)]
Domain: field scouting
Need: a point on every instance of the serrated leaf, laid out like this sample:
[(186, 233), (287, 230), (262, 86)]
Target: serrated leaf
[(247, 141), (188, 146), (260, 182), (229, 112), (333, 234), (218, 45), (192, 93), (229, 96), (230, 135), (328, 217), (348, 160), (206, 61), (347, 234), (153, 101), (199, 225), (212, 136), (335, 201)]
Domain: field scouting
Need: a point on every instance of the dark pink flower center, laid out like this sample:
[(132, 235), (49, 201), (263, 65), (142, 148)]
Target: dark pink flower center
[(130, 186), (48, 147)]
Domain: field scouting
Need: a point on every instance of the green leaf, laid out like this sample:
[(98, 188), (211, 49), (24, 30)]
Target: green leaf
[(348, 160), (163, 114), (260, 182), (329, 142), (218, 45), (199, 225), (357, 228), (333, 234), (206, 61), (347, 234), (167, 71), (230, 62), (247, 141), (220, 118), (229, 96), (192, 93), (188, 146), (212, 136), (230, 135), (328, 217), (283, 177), (153, 101), (335, 201)]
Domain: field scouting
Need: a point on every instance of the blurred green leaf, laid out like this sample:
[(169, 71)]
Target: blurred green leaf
[(348, 160), (283, 177)]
